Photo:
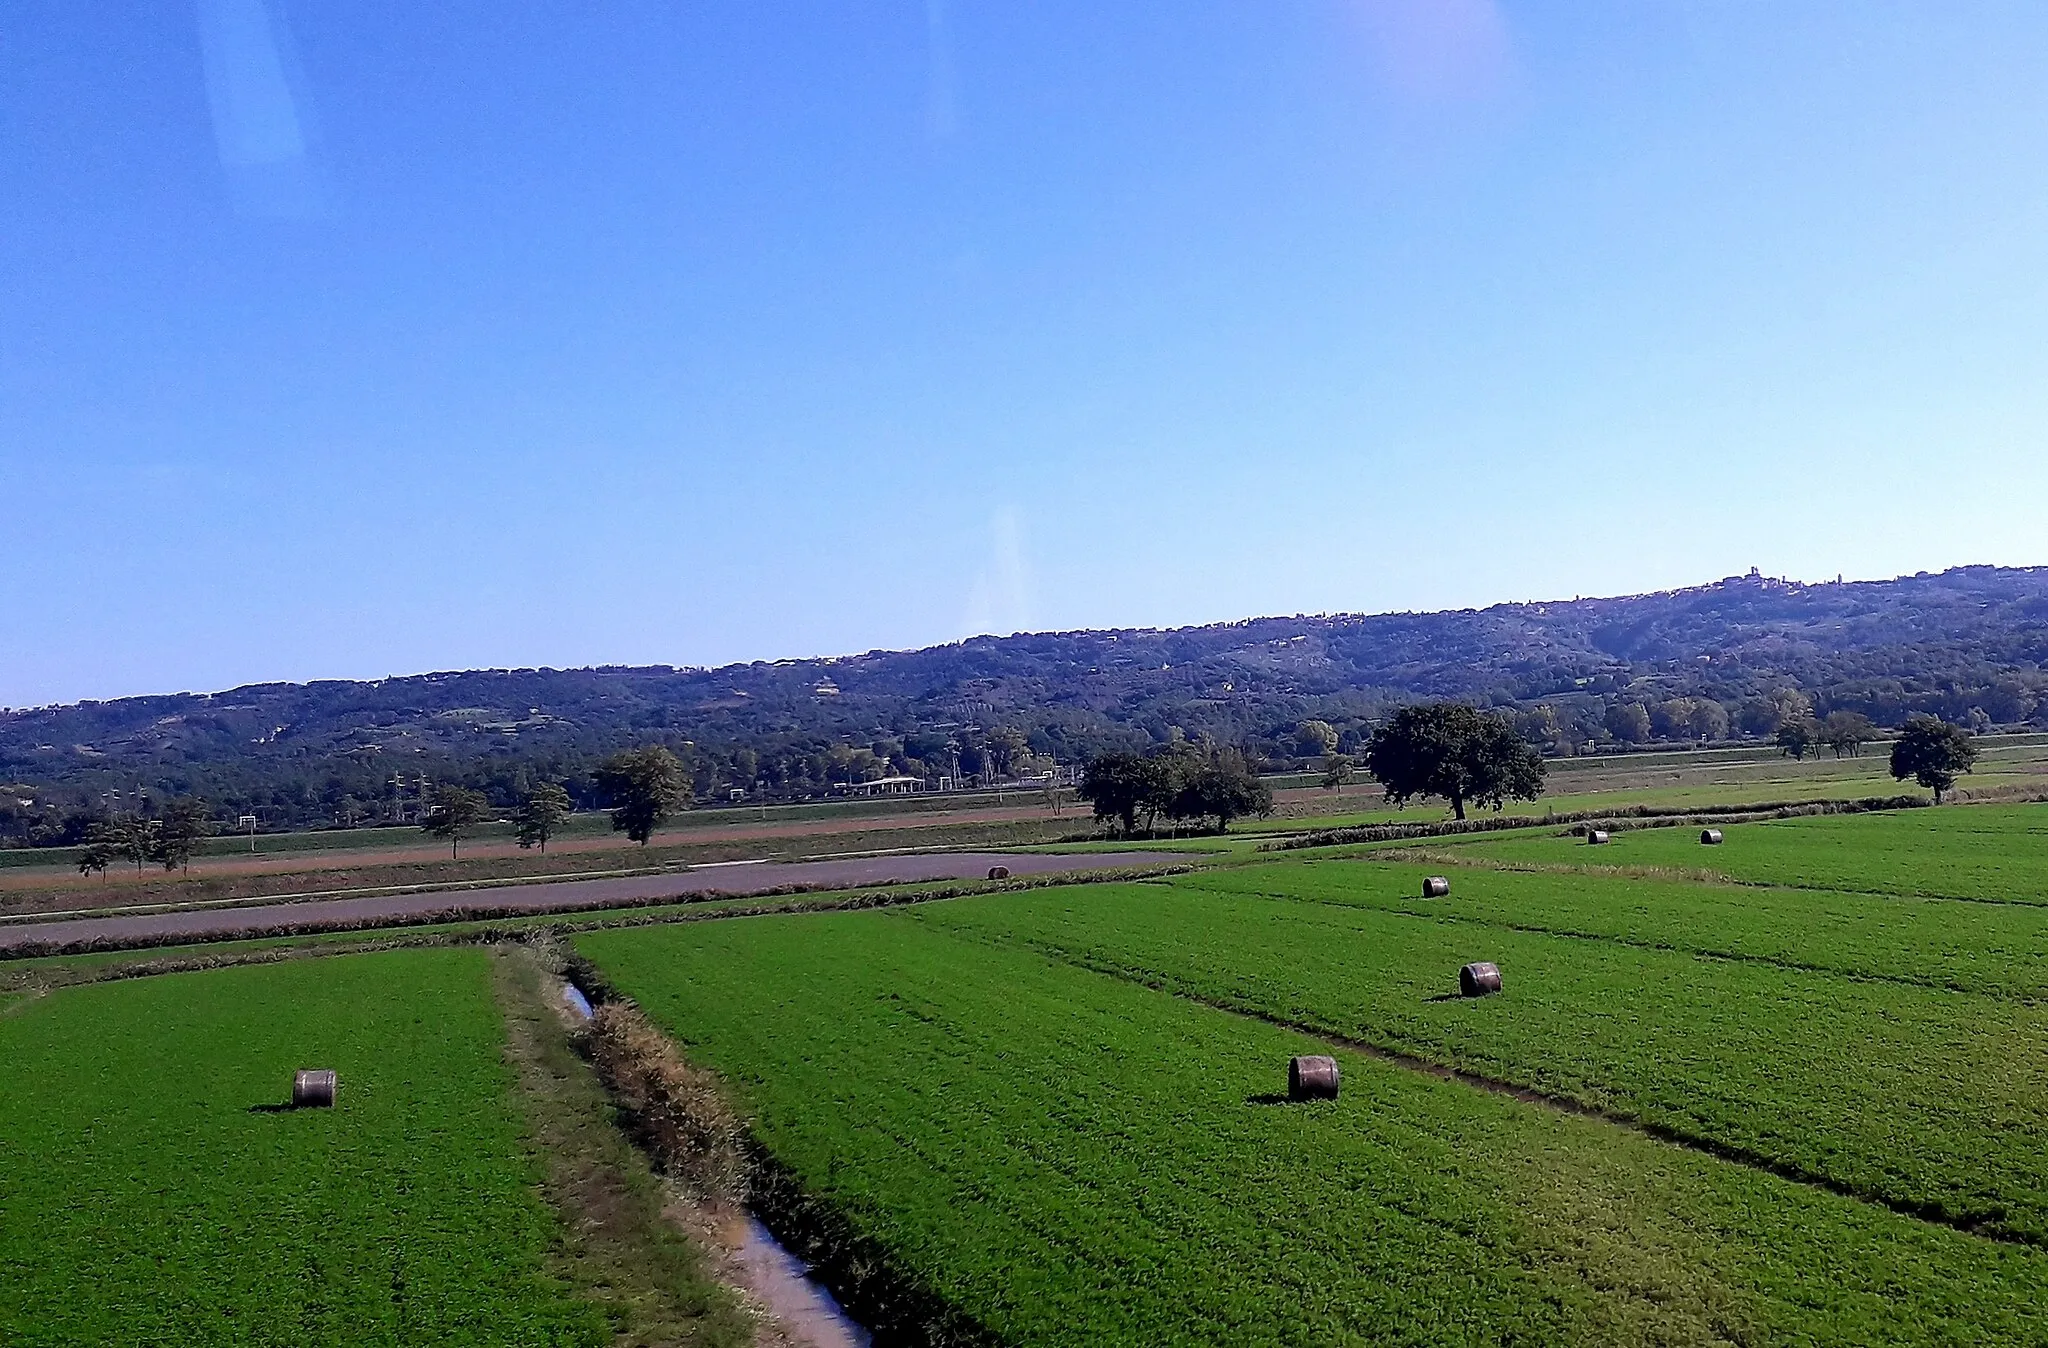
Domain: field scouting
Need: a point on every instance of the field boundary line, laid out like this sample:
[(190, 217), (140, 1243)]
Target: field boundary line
[(1932, 1214), (1702, 876), (1665, 947), (599, 915), (358, 892)]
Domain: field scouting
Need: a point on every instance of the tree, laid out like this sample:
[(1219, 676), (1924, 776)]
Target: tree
[(1709, 719), (645, 787), (541, 813), (1932, 752), (1846, 732), (1763, 715), (131, 839), (1672, 719), (1628, 722), (96, 857), (1796, 735), (456, 811), (1119, 785), (1337, 770), (1452, 751), (177, 836), (1315, 739), (1225, 786)]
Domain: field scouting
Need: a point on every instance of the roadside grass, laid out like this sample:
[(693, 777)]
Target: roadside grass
[(616, 1247), (146, 1197), (1071, 1158), (1921, 1098), (1982, 852)]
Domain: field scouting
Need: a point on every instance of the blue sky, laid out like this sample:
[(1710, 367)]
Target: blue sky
[(348, 339)]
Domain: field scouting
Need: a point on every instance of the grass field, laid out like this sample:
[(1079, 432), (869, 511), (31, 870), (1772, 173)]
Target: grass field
[(1921, 1097), (1072, 1157), (1991, 853), (145, 1198), (1792, 1089)]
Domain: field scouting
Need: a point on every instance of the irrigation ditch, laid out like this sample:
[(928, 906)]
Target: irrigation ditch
[(681, 1116)]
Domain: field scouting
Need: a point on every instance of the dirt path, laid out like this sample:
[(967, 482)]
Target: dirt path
[(554, 896), (483, 849)]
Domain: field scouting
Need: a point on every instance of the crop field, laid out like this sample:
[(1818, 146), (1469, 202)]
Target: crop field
[(1706, 778), (147, 1196), (1920, 1097), (1791, 1089), (1992, 853), (1057, 1110)]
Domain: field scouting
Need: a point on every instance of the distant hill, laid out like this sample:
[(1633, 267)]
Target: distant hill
[(1726, 659)]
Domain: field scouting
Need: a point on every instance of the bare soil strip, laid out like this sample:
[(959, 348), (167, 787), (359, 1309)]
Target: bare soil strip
[(562, 896)]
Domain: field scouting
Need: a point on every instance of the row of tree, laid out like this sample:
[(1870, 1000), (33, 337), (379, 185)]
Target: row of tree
[(1180, 782), (168, 841), (645, 787), (1445, 750), (1466, 757)]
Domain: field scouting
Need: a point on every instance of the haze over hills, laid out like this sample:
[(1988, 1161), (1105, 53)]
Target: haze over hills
[(1727, 659)]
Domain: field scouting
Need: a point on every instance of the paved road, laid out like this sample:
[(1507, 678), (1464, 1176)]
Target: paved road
[(146, 929)]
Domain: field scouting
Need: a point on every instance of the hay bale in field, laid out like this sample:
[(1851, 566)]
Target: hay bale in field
[(1596, 836), (999, 872), (1435, 887), (1710, 837), (313, 1089), (1312, 1077), (1477, 980)]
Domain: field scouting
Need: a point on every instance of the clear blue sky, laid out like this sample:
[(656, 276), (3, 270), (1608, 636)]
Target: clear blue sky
[(356, 338)]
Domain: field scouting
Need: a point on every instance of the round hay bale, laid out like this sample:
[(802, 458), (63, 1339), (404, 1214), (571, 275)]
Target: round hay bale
[(313, 1089), (1435, 887), (1312, 1077), (1710, 837), (999, 872), (1595, 837), (1477, 980)]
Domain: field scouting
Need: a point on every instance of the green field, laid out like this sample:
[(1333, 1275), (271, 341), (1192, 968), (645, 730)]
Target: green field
[(1996, 853), (1004, 1094), (1918, 1096), (145, 1197), (1792, 1089)]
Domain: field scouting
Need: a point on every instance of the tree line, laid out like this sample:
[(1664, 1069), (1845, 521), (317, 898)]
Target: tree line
[(1444, 750)]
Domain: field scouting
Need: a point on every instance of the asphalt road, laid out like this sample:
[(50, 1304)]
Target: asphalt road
[(149, 929)]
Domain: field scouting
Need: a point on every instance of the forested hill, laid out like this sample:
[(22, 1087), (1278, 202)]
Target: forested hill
[(1716, 661)]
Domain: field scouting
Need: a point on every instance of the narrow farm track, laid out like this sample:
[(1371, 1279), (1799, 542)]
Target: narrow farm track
[(338, 914), (1720, 1151)]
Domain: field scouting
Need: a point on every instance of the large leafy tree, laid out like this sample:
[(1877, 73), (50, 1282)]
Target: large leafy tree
[(1119, 785), (541, 813), (1797, 735), (1451, 751), (1846, 732), (645, 787), (1224, 786), (457, 810), (1932, 752)]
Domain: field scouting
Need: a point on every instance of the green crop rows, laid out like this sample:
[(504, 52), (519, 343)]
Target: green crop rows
[(145, 1199), (1991, 948), (1074, 1158), (1982, 852), (1922, 1097)]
